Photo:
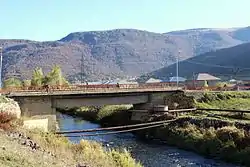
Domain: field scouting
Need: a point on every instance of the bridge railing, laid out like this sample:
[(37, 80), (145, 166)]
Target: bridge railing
[(93, 88), (216, 88), (119, 87)]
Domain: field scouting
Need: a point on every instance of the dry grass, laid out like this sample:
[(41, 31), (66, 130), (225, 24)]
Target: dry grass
[(66, 153), (16, 155), (8, 121)]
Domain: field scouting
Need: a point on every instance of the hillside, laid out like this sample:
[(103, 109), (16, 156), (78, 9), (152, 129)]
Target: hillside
[(114, 53), (224, 63)]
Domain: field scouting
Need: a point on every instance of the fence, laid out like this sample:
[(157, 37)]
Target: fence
[(93, 88), (119, 87), (241, 112)]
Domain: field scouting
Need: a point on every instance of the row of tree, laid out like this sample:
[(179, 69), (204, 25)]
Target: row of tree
[(53, 78)]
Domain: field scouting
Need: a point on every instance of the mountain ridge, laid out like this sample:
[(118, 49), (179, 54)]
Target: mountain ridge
[(225, 63), (113, 53)]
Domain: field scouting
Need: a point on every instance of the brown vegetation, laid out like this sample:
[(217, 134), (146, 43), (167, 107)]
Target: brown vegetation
[(112, 53)]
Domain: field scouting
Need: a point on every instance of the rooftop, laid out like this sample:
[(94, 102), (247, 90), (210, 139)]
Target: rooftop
[(207, 77)]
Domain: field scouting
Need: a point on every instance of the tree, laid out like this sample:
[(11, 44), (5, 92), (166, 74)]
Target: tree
[(37, 77), (27, 83), (13, 83), (55, 77)]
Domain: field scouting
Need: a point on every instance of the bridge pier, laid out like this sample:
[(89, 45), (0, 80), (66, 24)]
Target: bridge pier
[(39, 111), (141, 111)]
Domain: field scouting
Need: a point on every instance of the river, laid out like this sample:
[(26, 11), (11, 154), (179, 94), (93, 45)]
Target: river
[(150, 155)]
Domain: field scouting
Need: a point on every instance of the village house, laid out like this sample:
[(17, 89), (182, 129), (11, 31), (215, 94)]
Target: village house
[(200, 79), (153, 80)]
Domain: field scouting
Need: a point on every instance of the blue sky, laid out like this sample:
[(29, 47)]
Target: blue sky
[(53, 19)]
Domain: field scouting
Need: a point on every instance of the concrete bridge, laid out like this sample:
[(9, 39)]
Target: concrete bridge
[(43, 104)]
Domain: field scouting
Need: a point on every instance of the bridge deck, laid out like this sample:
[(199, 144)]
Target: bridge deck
[(87, 92)]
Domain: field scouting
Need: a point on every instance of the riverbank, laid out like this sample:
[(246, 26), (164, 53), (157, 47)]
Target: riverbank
[(213, 134), (109, 115), (34, 148)]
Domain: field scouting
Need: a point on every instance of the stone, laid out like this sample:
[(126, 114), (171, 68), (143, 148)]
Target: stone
[(41, 124), (10, 106)]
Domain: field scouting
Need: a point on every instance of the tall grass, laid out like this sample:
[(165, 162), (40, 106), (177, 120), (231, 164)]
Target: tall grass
[(105, 115), (109, 110), (225, 100), (88, 152), (227, 143)]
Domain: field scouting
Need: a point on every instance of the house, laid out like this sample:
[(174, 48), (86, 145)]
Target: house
[(153, 80), (200, 79), (124, 83), (95, 83), (128, 84), (174, 79)]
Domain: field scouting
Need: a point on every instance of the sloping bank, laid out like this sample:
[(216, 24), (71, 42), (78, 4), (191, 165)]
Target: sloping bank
[(22, 147), (214, 134)]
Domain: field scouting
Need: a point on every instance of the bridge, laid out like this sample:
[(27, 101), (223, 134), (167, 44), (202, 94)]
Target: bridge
[(43, 104)]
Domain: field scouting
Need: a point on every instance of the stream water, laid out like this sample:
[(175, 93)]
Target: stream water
[(150, 155)]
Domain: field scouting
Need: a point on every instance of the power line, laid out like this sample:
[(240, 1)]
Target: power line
[(121, 131), (116, 127), (214, 65), (82, 67)]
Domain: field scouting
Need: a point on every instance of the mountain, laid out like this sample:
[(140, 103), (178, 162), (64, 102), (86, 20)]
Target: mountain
[(114, 53), (224, 63)]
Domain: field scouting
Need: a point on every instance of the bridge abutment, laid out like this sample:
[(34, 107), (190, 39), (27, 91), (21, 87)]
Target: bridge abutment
[(40, 112)]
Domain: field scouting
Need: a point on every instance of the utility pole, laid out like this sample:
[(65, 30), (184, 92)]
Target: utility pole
[(236, 70), (82, 68), (1, 64), (177, 69)]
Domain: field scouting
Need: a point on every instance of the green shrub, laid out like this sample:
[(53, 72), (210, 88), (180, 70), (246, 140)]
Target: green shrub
[(26, 83), (109, 110), (228, 143), (13, 83), (123, 159), (37, 77), (226, 134)]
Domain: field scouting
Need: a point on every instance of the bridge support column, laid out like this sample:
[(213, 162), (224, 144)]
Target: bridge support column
[(141, 111), (39, 111)]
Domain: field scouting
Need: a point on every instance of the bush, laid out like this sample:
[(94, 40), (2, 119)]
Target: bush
[(55, 77), (228, 133), (37, 77), (221, 84), (109, 110), (26, 83), (228, 143), (13, 83), (6, 121), (123, 159)]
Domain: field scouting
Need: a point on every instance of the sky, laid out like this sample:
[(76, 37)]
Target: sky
[(45, 20)]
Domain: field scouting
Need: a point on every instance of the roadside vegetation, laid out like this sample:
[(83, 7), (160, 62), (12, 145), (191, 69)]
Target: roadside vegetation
[(38, 80), (107, 115), (225, 100), (220, 135), (215, 134), (225, 142), (47, 149)]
